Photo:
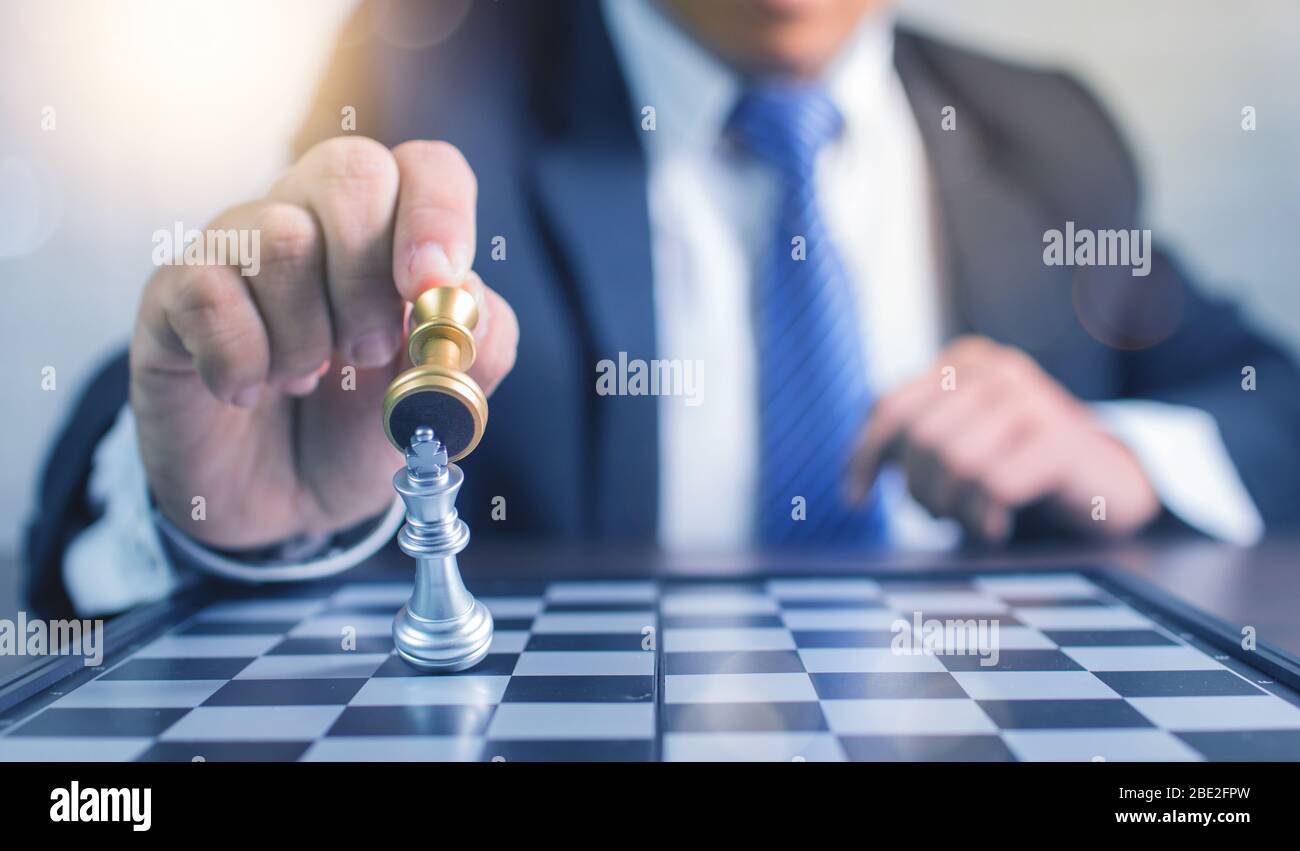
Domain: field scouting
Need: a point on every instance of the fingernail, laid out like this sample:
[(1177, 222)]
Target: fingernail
[(374, 349), (247, 398), (430, 261), (302, 385)]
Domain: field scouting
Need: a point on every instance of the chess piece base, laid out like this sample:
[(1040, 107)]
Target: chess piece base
[(453, 644)]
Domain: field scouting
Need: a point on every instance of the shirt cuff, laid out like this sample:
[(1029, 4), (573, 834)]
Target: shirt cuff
[(118, 561), (121, 560), (1183, 455)]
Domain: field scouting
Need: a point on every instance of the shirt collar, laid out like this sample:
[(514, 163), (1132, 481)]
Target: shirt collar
[(693, 92)]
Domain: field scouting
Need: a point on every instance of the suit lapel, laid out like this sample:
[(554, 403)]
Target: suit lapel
[(589, 184), (991, 224)]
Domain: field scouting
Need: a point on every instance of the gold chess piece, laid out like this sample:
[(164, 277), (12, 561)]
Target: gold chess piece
[(437, 392)]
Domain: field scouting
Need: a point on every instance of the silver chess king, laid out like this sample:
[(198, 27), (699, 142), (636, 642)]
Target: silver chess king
[(436, 414)]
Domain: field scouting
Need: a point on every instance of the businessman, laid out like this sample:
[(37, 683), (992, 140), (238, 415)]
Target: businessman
[(844, 223)]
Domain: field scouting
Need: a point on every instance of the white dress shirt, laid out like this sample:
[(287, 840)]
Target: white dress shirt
[(711, 212)]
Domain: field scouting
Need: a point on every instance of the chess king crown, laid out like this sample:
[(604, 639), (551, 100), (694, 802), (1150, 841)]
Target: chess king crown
[(437, 392)]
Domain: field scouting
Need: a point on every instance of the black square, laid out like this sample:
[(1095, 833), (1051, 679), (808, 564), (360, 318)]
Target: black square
[(96, 723), (500, 664), (586, 641), (512, 624), (1246, 745), (734, 662), (324, 692), (832, 603), (819, 638), (1000, 618), (883, 685), (926, 749), (224, 752), (468, 720), (1108, 637), (743, 717), (1013, 660), (330, 646), (1176, 683), (735, 621), (178, 669), (237, 628), (579, 689), (1062, 714), (1031, 602), (585, 607)]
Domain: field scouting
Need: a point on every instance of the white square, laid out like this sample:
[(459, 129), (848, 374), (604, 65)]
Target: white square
[(866, 660), (1236, 712), (542, 721), (1168, 658), (313, 667), (463, 690), (907, 717), (824, 589), (719, 603), (392, 594), (933, 603), (1023, 638), (1082, 617), (601, 592), (509, 641), (61, 749), (207, 646), (738, 688), (1033, 685), (752, 747), (139, 694), (253, 723), (337, 626), (1088, 745), (727, 638), (395, 749), (1068, 586), (512, 607), (553, 663)]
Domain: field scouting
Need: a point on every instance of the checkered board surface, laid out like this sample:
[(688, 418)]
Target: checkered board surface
[(785, 669)]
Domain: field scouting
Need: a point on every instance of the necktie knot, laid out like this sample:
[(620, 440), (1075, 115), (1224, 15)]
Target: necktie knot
[(785, 124)]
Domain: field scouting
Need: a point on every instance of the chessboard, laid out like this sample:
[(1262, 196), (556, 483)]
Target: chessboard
[(1039, 666)]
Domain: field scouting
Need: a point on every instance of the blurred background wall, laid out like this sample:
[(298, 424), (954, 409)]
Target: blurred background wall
[(121, 117)]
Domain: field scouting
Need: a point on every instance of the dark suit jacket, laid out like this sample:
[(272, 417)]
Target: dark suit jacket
[(534, 96)]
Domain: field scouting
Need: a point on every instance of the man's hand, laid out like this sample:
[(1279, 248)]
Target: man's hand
[(986, 432), (237, 383)]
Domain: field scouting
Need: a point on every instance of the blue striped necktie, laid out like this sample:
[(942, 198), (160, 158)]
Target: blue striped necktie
[(813, 390)]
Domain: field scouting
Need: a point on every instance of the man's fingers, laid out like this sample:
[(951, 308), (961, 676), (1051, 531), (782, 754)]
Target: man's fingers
[(289, 290), (433, 239), (498, 341), (1031, 471), (350, 184), (204, 318), (893, 414), (886, 422)]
